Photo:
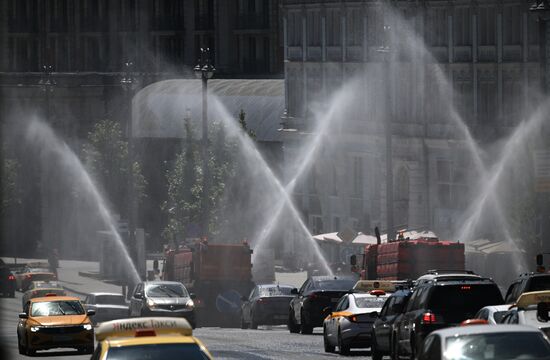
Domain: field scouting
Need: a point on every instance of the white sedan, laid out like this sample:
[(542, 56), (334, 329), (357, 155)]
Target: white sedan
[(493, 314), (486, 342), (350, 324), (107, 306)]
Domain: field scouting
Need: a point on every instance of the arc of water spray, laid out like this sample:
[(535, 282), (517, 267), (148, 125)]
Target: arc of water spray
[(286, 200), (48, 140), (305, 162)]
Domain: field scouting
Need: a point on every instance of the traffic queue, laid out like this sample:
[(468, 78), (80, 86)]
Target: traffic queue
[(440, 315)]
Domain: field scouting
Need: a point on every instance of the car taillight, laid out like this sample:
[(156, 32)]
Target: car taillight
[(11, 277), (428, 318), (465, 287), (352, 318), (28, 276)]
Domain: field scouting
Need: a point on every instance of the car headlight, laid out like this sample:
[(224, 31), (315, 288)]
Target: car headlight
[(151, 304), (190, 304), (87, 326), (35, 328)]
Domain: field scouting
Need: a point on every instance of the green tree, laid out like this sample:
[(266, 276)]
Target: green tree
[(106, 156), (11, 192), (185, 181)]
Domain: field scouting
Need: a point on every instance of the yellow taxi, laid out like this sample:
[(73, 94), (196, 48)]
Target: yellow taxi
[(158, 337), (55, 322)]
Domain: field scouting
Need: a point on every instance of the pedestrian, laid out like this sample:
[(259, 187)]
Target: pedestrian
[(53, 261)]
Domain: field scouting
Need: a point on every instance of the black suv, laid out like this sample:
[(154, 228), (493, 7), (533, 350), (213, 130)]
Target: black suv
[(526, 283), (438, 301), (316, 294), (382, 329)]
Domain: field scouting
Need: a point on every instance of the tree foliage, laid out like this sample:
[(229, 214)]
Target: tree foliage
[(106, 156), (185, 182)]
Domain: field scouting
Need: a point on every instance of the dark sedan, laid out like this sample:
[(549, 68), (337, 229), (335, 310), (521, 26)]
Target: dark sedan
[(316, 294), (266, 305)]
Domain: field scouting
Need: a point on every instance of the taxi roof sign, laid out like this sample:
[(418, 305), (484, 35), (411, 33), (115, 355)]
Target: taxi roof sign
[(132, 327), (369, 285), (533, 298)]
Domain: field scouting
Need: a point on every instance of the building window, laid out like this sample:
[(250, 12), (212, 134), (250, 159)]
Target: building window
[(334, 191), (357, 171), (294, 29), (464, 99), (313, 28), (375, 24), (316, 224), (354, 27), (437, 27), (487, 101), (334, 28), (512, 93), (127, 18), (487, 26), (93, 15), (462, 23), (336, 223), (167, 15), (512, 25), (451, 183), (59, 15)]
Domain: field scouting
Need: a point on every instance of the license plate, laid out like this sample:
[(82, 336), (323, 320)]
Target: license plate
[(62, 338), (334, 299)]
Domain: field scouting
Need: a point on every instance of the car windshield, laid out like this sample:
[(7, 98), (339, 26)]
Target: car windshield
[(156, 352), (275, 291), (339, 285), (501, 346), (370, 302), (166, 290), (539, 283), (56, 308), (110, 299)]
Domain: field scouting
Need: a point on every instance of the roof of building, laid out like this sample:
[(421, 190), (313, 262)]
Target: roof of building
[(159, 109), (364, 239)]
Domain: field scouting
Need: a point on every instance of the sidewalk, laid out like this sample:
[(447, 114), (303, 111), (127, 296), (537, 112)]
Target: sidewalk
[(69, 276)]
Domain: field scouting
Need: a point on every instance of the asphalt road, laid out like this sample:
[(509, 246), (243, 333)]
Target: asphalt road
[(265, 343)]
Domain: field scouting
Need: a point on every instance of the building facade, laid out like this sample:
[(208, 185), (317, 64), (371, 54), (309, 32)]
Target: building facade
[(84, 45), (488, 52)]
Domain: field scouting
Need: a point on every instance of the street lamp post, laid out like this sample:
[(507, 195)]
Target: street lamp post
[(46, 84), (204, 70), (128, 84), (385, 49)]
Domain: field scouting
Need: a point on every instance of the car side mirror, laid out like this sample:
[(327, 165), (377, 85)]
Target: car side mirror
[(192, 296), (23, 315), (373, 314), (542, 312), (90, 312), (138, 295), (294, 291)]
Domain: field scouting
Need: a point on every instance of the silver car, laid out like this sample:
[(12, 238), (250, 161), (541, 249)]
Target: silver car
[(107, 306), (350, 324), (163, 298)]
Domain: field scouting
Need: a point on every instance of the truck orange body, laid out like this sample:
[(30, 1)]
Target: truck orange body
[(210, 271)]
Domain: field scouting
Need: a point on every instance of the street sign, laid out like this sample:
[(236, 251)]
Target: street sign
[(229, 302), (542, 171)]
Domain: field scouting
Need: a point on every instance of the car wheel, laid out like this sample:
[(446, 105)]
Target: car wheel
[(292, 326), (328, 347), (374, 352), (305, 328), (343, 348), (253, 323)]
